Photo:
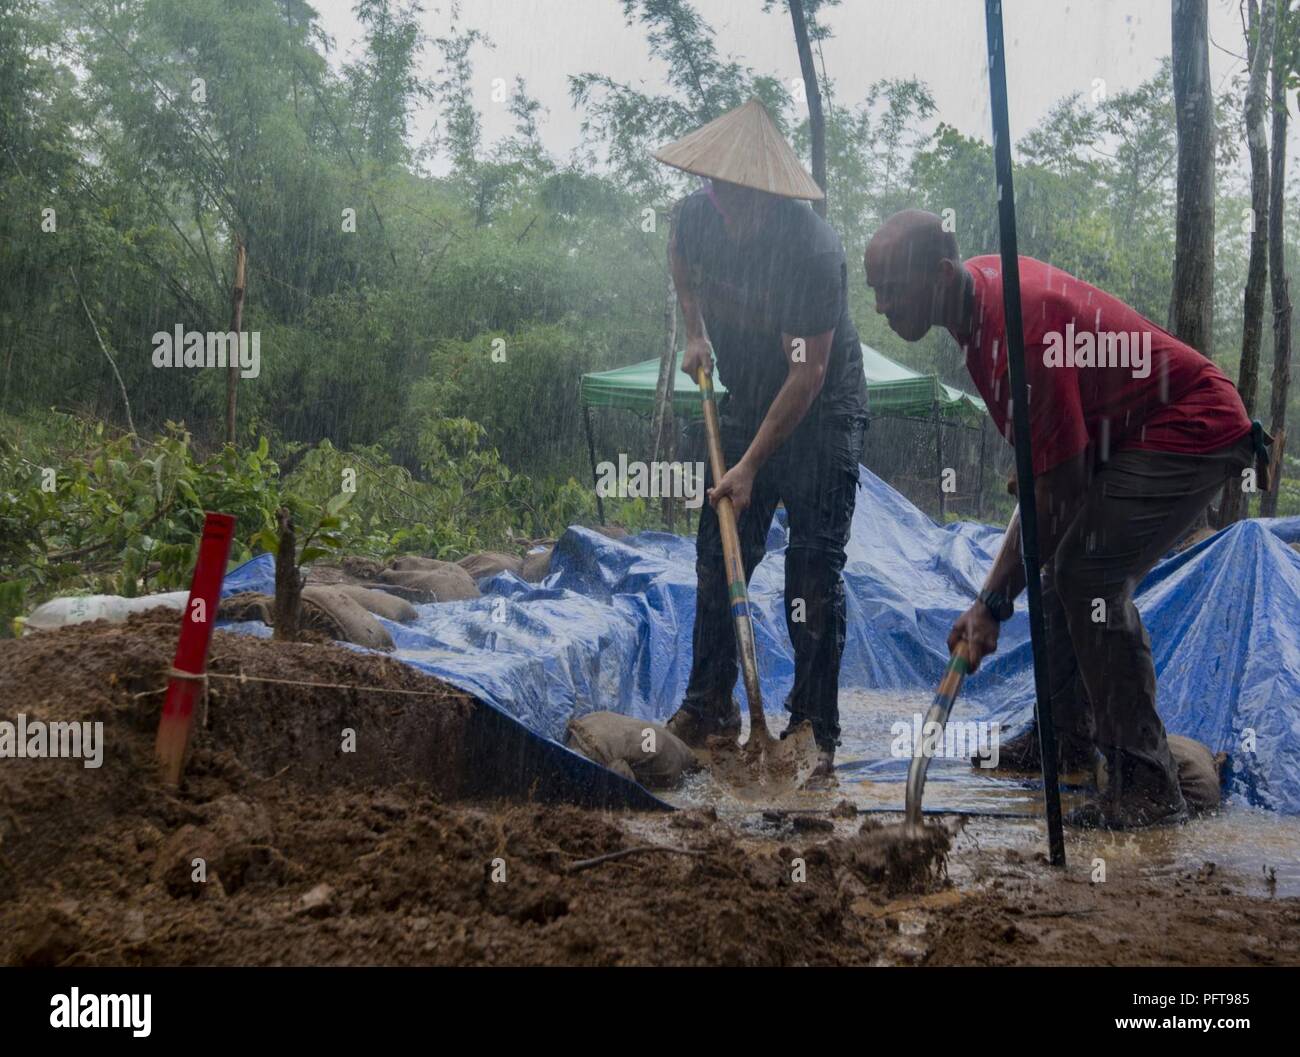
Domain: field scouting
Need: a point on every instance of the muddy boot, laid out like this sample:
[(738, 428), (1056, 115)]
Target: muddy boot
[(822, 775), (1133, 794), (695, 728), (792, 726), (1126, 814), (1021, 753)]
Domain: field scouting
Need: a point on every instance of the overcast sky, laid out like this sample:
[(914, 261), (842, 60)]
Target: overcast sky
[(1055, 47)]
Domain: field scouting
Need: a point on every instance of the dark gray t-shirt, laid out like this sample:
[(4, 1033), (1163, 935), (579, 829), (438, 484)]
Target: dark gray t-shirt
[(789, 278)]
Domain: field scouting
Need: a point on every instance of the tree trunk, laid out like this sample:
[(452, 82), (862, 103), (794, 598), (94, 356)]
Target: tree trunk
[(236, 324), (1191, 306), (1191, 300), (1283, 63), (1259, 47), (816, 122)]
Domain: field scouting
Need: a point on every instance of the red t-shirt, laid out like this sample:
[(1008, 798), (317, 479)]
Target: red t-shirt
[(1100, 375)]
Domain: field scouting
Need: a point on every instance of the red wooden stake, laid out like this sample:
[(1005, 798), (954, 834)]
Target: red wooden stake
[(192, 649)]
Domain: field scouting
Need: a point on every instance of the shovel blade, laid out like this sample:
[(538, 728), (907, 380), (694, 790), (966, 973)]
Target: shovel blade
[(764, 767)]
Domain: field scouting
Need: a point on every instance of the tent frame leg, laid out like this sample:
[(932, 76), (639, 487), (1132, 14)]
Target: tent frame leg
[(591, 454), (938, 458)]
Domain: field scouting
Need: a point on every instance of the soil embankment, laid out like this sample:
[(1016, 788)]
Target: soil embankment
[(316, 855)]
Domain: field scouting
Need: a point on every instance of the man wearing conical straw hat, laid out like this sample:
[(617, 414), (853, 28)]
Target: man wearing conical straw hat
[(762, 284)]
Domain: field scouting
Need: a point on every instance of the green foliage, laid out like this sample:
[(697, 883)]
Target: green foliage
[(84, 511), (159, 130)]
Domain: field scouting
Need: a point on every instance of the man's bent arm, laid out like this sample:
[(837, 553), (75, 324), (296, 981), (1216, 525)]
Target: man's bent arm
[(691, 314), (803, 381)]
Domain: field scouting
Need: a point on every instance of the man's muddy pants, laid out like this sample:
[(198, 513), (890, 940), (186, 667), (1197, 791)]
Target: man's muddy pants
[(1103, 681), (815, 474)]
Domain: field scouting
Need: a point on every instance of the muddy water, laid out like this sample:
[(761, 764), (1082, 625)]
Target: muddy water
[(1255, 851)]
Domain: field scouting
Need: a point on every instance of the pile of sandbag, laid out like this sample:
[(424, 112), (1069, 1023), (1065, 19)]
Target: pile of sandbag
[(537, 565), (487, 564), (430, 580), (533, 566), (638, 749), (344, 613), (422, 580)]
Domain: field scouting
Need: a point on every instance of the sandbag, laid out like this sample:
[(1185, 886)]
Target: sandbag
[(537, 566), (361, 568), (657, 757), (325, 575), (59, 612), (382, 603), (418, 562), (349, 616), (450, 583), (248, 605), (489, 563), (328, 610), (1198, 773)]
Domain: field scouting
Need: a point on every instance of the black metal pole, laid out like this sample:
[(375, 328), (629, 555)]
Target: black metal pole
[(938, 453), (979, 487), (1020, 413), (591, 453)]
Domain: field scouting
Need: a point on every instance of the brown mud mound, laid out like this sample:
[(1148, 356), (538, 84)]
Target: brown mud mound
[(892, 856), (97, 672), (396, 877), (280, 847), (1020, 911)]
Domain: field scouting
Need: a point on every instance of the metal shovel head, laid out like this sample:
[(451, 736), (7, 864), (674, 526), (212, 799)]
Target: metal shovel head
[(763, 767)]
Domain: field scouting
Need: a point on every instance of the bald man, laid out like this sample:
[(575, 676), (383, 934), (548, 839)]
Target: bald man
[(1133, 434)]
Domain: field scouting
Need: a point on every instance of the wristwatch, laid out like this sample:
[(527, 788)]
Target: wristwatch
[(998, 604)]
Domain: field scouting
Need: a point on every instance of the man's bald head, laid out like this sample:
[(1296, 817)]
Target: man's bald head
[(917, 237), (912, 263)]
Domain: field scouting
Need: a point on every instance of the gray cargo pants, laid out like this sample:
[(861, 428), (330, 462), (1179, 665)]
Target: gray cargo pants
[(1138, 505)]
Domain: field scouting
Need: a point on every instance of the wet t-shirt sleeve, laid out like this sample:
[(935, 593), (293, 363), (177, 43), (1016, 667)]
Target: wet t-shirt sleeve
[(812, 302), (684, 223)]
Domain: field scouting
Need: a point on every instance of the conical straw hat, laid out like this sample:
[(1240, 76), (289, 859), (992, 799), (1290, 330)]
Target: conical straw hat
[(743, 147)]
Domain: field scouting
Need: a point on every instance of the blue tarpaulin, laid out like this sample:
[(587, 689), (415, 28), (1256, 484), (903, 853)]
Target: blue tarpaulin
[(610, 628)]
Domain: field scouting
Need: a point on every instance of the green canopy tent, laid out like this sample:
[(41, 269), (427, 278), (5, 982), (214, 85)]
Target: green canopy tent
[(892, 390)]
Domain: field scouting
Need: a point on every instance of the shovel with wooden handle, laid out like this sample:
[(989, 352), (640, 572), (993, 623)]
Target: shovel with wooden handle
[(949, 687), (737, 594)]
